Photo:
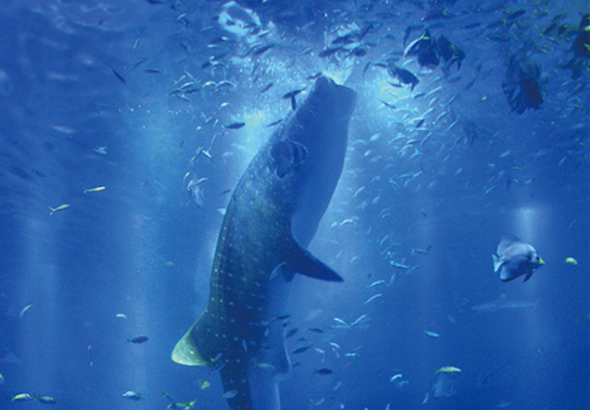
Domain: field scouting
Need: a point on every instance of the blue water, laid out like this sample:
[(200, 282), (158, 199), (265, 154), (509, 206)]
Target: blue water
[(88, 99)]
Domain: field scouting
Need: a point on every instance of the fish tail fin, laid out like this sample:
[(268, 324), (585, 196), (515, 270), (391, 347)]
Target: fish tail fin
[(497, 263)]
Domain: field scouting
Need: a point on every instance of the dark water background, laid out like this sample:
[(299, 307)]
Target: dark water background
[(79, 75)]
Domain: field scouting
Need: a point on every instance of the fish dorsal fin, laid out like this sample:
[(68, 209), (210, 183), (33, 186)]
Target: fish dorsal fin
[(506, 241), (301, 261)]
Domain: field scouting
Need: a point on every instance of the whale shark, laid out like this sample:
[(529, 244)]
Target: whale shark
[(272, 216)]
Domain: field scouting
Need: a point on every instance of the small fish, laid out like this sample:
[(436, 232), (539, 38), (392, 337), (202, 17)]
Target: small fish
[(272, 124), (359, 320), (1, 379), (266, 366), (323, 372), (25, 310), (45, 399), (514, 15), (315, 330), (203, 384), (266, 88), (138, 339), (59, 208), (230, 394), (291, 332), (342, 322), (281, 317), (131, 395), (101, 150), (571, 261), (234, 125), (515, 258), (22, 397), (185, 405), (121, 316), (432, 334), (97, 189), (330, 51), (119, 76), (301, 349), (447, 369), (404, 76), (137, 63), (395, 377), (372, 298), (379, 282)]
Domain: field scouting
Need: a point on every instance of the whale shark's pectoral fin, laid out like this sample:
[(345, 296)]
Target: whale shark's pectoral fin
[(301, 261)]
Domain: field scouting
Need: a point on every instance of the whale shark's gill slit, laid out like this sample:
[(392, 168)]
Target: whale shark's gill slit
[(286, 189)]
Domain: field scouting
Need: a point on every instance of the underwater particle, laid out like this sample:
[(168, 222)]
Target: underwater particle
[(432, 334)]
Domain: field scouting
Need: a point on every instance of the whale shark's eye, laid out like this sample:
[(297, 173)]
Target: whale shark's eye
[(286, 157)]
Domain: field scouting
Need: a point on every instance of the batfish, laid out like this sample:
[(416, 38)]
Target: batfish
[(271, 218), (515, 258)]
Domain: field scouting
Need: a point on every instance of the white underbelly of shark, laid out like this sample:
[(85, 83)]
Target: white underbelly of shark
[(272, 216)]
